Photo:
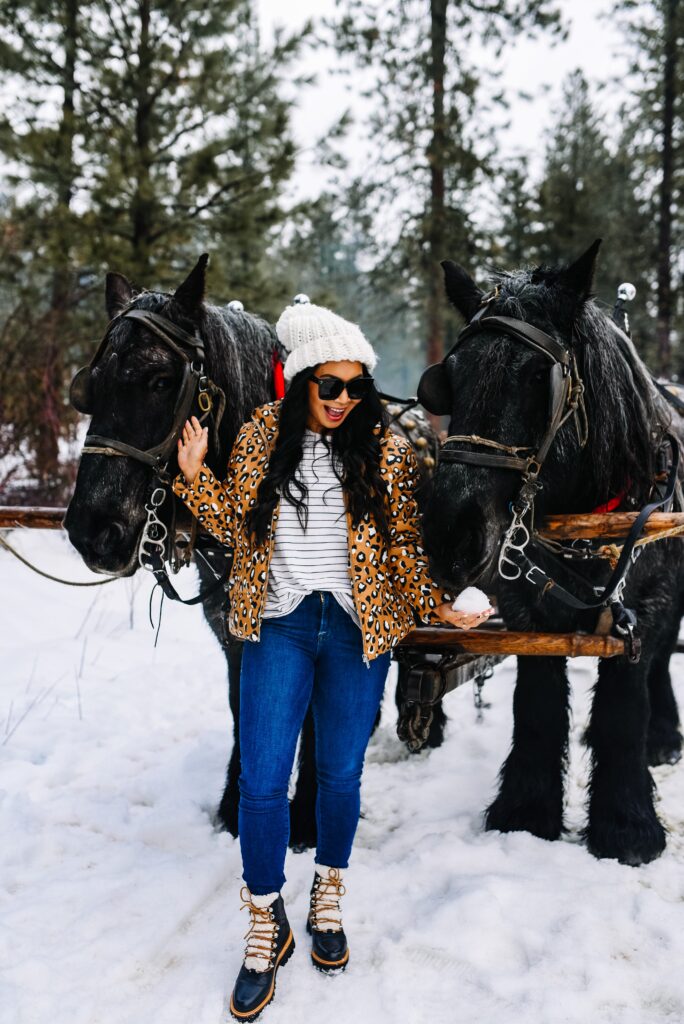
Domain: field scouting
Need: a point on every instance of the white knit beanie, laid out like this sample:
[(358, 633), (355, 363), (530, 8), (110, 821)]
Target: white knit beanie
[(313, 334)]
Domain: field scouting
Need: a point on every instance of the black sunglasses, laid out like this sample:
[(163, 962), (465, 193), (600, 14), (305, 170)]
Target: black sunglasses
[(332, 387)]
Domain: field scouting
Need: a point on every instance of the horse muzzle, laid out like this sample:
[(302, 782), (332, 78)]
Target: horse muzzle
[(462, 544)]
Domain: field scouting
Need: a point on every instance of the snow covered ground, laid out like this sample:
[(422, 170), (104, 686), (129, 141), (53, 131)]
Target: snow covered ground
[(119, 902)]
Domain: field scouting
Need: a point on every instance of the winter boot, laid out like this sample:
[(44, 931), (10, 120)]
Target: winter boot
[(329, 950), (270, 944)]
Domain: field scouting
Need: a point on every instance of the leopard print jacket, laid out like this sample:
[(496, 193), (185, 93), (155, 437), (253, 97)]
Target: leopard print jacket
[(391, 584)]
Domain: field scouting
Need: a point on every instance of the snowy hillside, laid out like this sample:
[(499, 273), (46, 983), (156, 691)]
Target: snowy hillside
[(119, 902)]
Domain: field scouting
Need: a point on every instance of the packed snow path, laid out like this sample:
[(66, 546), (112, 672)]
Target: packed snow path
[(119, 902)]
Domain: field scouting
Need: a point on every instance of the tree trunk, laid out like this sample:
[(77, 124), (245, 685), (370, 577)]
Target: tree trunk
[(142, 203), (53, 326), (435, 155), (664, 321)]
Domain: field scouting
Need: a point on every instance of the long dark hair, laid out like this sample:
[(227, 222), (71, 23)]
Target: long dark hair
[(355, 450)]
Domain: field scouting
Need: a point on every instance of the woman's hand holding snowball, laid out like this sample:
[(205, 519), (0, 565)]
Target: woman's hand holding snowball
[(470, 609)]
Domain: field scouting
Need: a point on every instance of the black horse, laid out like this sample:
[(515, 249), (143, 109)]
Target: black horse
[(498, 388), (132, 392)]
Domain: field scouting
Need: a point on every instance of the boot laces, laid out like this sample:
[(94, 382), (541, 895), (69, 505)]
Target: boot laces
[(325, 902), (261, 935)]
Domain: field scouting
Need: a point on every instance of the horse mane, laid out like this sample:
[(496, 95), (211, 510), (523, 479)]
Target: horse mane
[(627, 417), (240, 347)]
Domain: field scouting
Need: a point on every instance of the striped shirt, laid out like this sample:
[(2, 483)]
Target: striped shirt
[(317, 557)]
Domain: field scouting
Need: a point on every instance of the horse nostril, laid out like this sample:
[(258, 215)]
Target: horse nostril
[(469, 545), (107, 539)]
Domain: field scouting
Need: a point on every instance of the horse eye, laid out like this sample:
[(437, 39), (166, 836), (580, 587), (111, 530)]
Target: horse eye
[(160, 383)]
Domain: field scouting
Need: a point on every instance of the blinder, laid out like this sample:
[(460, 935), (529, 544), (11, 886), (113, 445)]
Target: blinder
[(434, 391), (79, 391)]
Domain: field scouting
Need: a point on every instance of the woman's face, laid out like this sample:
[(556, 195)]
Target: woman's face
[(329, 414)]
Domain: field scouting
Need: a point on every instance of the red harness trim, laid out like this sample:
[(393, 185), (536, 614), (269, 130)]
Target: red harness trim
[(610, 505), (278, 376)]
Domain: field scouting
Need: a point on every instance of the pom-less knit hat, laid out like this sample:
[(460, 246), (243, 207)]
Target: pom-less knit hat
[(313, 334)]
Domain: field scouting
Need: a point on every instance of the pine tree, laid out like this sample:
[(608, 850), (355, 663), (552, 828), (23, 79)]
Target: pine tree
[(38, 57), (326, 255), (140, 132), (590, 189), (431, 128), (515, 240), (654, 30), (192, 134)]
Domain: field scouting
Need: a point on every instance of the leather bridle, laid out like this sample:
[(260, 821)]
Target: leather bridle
[(566, 397), (195, 385), (151, 548)]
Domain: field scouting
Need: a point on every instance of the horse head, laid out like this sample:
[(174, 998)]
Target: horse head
[(538, 367), (148, 365)]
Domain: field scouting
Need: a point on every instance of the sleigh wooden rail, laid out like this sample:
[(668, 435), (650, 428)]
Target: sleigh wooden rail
[(483, 641), (490, 641), (35, 518), (606, 524)]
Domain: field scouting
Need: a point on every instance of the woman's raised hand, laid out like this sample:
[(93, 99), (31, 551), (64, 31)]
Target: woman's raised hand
[(192, 447)]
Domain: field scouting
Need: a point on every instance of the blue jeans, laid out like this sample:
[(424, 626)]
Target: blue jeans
[(313, 655)]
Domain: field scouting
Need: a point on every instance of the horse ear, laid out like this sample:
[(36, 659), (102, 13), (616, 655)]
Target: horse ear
[(190, 294), (579, 276), (118, 293), (461, 290)]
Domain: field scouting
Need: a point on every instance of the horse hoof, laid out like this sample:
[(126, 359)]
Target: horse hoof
[(300, 843), (664, 754), (666, 751), (303, 835), (545, 823), (663, 742), (633, 843), (435, 740)]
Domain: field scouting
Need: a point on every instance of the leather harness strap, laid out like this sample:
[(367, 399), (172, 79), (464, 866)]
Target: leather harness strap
[(535, 575), (194, 383), (566, 391)]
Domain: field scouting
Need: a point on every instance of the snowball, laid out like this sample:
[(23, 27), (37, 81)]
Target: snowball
[(471, 600)]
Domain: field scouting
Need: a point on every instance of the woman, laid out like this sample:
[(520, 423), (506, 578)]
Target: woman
[(327, 576)]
